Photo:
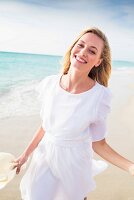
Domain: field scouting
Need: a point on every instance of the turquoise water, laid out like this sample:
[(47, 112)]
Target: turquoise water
[(122, 65), (21, 72), (19, 68)]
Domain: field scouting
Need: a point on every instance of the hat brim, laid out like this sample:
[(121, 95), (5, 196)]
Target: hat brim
[(6, 172)]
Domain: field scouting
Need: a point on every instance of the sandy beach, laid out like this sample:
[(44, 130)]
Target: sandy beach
[(114, 183)]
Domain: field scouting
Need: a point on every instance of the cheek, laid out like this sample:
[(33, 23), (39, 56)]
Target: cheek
[(92, 59), (72, 54), (74, 50)]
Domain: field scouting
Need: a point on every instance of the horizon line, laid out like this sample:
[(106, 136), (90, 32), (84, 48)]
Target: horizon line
[(56, 55)]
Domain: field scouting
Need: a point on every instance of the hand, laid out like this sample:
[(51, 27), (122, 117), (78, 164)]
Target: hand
[(19, 162), (131, 170)]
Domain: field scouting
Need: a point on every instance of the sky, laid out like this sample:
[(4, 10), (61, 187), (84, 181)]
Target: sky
[(50, 26)]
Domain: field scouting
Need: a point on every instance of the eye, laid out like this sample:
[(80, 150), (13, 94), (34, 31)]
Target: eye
[(92, 52), (80, 45)]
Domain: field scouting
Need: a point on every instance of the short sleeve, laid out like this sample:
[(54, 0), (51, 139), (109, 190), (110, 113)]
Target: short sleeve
[(40, 89), (99, 126)]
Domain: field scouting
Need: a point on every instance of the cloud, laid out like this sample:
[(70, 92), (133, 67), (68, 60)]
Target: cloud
[(48, 27)]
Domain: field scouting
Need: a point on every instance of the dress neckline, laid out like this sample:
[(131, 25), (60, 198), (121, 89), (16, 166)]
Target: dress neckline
[(75, 94)]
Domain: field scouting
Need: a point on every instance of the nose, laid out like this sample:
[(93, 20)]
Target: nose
[(83, 52)]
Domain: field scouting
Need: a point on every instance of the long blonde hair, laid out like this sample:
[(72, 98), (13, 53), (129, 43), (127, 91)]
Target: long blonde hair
[(101, 73)]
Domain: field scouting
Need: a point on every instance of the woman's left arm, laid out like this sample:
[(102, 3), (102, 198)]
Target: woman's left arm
[(106, 152)]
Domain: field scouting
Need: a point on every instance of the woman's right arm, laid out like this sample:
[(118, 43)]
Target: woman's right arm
[(30, 148), (34, 142)]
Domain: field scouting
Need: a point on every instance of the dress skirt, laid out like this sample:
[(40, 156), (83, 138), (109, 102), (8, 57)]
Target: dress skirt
[(71, 165)]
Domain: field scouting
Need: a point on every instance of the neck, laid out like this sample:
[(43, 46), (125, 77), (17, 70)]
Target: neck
[(76, 79), (76, 82)]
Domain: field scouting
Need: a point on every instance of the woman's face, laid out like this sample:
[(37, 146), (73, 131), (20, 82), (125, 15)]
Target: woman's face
[(86, 53)]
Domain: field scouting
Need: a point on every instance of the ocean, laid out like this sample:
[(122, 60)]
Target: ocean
[(21, 72)]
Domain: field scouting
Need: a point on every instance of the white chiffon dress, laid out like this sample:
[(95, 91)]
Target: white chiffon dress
[(71, 123)]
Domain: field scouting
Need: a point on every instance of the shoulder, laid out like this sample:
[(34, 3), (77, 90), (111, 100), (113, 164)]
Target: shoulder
[(104, 99), (103, 106), (47, 81), (50, 78), (104, 92)]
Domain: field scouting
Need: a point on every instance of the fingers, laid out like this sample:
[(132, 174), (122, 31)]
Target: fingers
[(18, 169), (17, 165), (13, 165)]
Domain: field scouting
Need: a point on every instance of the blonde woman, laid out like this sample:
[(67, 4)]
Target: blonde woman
[(75, 106)]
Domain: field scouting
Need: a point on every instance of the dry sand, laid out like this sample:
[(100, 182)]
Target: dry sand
[(15, 134), (114, 183)]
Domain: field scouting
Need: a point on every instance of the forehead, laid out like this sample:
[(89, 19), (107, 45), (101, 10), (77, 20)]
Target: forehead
[(92, 40)]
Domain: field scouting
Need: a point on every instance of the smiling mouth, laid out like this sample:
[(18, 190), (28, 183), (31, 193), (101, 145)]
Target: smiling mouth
[(81, 60)]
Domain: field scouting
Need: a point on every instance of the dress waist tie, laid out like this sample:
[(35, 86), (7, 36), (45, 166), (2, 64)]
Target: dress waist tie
[(66, 142)]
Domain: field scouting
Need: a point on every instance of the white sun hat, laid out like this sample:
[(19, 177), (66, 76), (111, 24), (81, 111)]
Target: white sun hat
[(6, 171)]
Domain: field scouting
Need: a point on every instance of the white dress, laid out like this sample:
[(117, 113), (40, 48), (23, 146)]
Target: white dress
[(71, 123)]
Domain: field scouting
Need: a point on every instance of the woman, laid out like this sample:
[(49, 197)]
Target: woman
[(74, 111)]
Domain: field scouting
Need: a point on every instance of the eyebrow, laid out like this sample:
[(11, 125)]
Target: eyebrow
[(90, 46)]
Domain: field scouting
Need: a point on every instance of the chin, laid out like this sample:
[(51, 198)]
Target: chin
[(76, 68)]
